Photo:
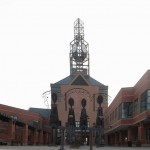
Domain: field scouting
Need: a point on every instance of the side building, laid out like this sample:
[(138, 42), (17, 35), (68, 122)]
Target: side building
[(128, 117), (24, 127)]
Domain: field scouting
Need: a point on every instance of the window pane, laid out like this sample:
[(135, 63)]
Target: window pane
[(126, 110), (135, 105), (148, 106), (148, 100), (119, 111), (148, 134), (123, 110), (143, 105), (148, 92), (143, 101), (129, 109)]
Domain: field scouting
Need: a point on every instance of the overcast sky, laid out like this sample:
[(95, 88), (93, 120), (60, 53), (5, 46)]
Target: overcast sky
[(35, 37)]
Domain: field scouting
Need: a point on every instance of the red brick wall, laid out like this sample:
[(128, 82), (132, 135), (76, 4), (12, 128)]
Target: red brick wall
[(3, 130), (63, 114), (22, 115), (127, 95)]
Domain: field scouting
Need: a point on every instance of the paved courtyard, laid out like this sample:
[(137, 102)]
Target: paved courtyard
[(68, 148)]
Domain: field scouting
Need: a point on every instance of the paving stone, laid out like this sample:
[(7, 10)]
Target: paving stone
[(68, 148)]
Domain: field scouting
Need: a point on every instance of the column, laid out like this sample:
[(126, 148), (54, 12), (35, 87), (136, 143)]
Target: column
[(11, 132), (106, 139), (41, 137), (120, 138), (110, 139), (50, 135), (25, 134), (141, 132), (129, 137), (46, 138), (116, 142), (35, 136), (129, 134)]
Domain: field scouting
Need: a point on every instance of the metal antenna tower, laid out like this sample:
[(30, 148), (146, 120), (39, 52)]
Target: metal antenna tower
[(79, 50)]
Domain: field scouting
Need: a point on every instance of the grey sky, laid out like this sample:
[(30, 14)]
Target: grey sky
[(35, 37)]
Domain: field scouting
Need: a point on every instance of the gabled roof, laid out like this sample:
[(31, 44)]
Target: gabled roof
[(92, 81), (43, 112), (79, 80), (87, 78)]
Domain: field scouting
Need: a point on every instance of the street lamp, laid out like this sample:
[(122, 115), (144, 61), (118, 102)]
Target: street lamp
[(62, 137)]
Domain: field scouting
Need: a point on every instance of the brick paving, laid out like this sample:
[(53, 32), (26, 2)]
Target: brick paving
[(68, 148)]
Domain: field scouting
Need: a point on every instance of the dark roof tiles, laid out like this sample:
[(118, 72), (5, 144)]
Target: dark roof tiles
[(43, 112), (89, 79)]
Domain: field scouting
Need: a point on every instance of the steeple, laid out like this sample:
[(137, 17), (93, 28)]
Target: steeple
[(79, 55)]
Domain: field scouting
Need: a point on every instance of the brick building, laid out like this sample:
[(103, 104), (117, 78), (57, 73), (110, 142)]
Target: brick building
[(33, 126), (79, 84), (24, 127), (126, 120), (128, 117)]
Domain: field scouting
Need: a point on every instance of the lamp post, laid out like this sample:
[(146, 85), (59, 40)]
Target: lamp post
[(91, 138), (62, 137)]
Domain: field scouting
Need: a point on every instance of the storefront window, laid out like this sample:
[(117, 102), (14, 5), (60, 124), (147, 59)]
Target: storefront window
[(148, 134)]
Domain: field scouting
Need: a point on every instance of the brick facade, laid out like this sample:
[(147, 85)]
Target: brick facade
[(127, 119), (22, 127), (79, 87)]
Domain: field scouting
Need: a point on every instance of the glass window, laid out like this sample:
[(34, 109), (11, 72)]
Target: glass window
[(148, 103), (77, 124), (148, 134), (148, 99), (125, 110), (129, 109), (135, 107), (145, 100), (148, 92), (119, 111), (143, 105)]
